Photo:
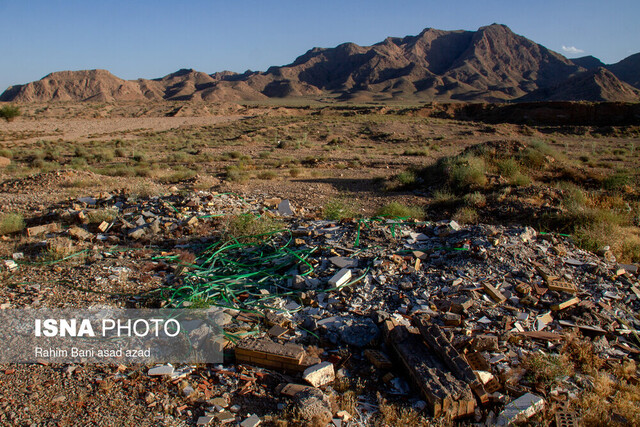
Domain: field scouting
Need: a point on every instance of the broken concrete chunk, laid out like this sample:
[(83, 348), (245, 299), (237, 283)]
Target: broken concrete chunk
[(252, 421), (340, 278), (204, 421), (225, 417), (320, 374), (10, 265), (520, 409), (161, 370), (343, 262), (80, 233), (285, 208)]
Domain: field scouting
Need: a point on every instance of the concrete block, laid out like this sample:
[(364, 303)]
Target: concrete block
[(520, 409), (320, 374)]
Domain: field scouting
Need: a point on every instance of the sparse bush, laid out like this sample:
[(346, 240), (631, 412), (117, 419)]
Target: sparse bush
[(520, 180), (398, 210), (547, 369), (466, 215), (475, 199), (337, 209), (267, 175), (295, 172), (406, 178), (236, 174), (617, 181), (9, 112), (249, 228), (11, 223), (468, 172), (508, 167), (423, 151)]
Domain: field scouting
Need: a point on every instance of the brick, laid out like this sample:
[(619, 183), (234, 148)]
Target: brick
[(477, 361), (103, 226), (561, 286), (452, 319), (565, 304), (565, 418), (80, 233), (378, 359), (494, 293), (266, 353), (42, 229), (277, 331)]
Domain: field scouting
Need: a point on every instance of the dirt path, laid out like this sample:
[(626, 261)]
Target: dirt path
[(82, 129)]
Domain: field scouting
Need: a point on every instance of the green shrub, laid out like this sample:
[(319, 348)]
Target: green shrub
[(268, 175), (476, 199), (406, 178), (467, 172), (11, 223), (398, 210), (236, 174), (337, 209), (466, 215), (9, 112), (617, 181), (508, 167), (249, 228)]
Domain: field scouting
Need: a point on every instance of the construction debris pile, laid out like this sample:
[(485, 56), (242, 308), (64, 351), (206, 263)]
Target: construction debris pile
[(439, 315)]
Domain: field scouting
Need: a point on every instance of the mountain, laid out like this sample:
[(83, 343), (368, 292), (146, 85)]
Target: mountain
[(87, 85), (492, 64), (591, 85), (588, 62), (628, 70)]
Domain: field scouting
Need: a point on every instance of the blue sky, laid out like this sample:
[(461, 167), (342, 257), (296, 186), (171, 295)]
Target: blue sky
[(149, 39)]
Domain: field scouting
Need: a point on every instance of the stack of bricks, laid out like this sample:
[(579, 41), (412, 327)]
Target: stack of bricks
[(438, 342), (446, 395)]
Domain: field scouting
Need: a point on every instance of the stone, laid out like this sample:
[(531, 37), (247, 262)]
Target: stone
[(137, 233), (285, 208), (161, 370), (320, 374), (203, 421), (225, 417), (252, 421), (359, 332), (485, 343), (520, 409), (343, 262)]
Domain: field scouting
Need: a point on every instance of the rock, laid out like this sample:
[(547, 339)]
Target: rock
[(285, 208), (343, 262), (314, 407), (320, 374), (252, 421), (520, 409), (203, 421), (359, 332)]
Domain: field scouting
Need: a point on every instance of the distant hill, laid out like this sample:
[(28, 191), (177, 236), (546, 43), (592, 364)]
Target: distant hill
[(491, 64), (628, 70), (592, 85), (588, 62)]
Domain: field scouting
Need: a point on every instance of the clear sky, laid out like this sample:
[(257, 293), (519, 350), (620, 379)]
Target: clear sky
[(152, 38)]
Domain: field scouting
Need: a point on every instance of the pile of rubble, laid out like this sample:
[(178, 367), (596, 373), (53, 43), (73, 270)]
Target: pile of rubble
[(439, 314)]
